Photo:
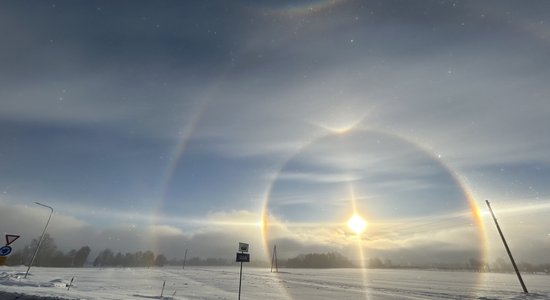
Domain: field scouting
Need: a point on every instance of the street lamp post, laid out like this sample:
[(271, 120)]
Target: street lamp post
[(41, 237)]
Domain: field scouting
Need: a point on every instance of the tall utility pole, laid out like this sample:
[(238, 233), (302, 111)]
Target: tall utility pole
[(274, 260), (507, 249), (184, 258), (41, 237)]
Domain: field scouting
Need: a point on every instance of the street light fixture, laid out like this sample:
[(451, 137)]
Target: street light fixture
[(41, 237)]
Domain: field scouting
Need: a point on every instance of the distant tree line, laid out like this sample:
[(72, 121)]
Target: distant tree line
[(311, 260), (318, 260), (197, 261), (376, 263), (108, 258), (501, 265), (49, 255)]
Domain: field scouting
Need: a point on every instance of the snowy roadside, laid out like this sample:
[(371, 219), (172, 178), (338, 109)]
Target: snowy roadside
[(16, 279), (91, 284), (19, 296)]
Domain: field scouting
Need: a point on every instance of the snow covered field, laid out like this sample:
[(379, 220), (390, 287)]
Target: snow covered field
[(223, 283)]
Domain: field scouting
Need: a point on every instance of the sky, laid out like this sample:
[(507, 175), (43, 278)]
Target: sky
[(172, 125)]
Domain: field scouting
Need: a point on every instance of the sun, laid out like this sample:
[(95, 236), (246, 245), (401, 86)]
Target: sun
[(357, 224)]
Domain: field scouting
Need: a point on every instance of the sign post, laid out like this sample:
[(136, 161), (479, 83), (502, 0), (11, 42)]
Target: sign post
[(242, 256)]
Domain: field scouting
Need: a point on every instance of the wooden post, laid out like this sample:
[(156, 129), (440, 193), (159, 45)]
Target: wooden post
[(70, 284), (162, 291)]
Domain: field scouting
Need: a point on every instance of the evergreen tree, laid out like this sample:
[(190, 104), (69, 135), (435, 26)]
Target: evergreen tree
[(104, 258), (46, 251), (81, 256), (148, 259), (160, 260)]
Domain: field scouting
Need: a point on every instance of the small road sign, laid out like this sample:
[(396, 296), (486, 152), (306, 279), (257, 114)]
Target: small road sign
[(243, 247), (10, 238), (243, 257), (5, 251)]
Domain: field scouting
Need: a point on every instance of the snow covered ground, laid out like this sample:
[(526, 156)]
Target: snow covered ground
[(223, 283)]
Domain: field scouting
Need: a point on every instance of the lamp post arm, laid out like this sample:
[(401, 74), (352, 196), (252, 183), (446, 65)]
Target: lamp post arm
[(41, 237)]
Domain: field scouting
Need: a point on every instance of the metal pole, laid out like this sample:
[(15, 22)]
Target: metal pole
[(41, 237), (276, 263), (184, 258), (273, 257), (507, 249), (240, 279)]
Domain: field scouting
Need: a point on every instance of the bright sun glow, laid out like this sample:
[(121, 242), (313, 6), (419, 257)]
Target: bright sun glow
[(357, 224)]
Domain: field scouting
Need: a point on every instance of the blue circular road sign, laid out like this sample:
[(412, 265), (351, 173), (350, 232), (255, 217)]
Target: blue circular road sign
[(6, 250)]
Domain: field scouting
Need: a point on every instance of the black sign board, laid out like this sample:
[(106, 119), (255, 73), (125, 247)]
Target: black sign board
[(243, 257)]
